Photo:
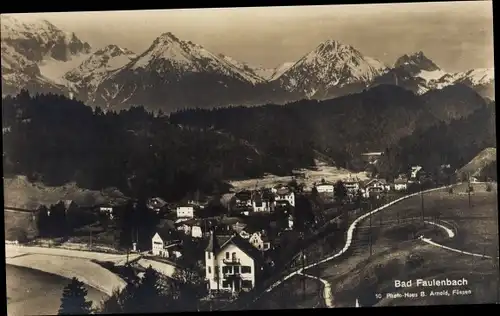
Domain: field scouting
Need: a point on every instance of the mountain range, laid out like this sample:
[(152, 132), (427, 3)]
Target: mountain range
[(173, 74)]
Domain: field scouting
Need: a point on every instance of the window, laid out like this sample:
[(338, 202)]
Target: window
[(226, 269), (226, 284), (227, 255), (246, 269), (233, 256), (246, 284), (209, 255), (266, 246), (236, 269), (209, 270), (259, 246)]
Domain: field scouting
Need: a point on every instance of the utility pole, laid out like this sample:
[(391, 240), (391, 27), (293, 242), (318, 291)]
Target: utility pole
[(371, 205), (422, 200), (304, 277), (469, 188), (90, 238)]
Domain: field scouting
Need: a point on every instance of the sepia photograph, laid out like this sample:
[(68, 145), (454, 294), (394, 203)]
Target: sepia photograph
[(252, 158)]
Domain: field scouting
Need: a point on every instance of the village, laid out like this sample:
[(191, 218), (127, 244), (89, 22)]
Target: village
[(237, 240)]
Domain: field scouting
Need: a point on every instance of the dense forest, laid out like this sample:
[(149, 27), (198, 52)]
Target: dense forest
[(343, 128), (53, 139), (455, 143)]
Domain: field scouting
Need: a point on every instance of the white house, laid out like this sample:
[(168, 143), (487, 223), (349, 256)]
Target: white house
[(196, 231), (108, 210), (379, 184), (185, 212), (414, 171), (325, 187), (285, 194), (259, 204), (231, 264), (400, 185), (260, 240), (159, 243), (352, 185), (190, 227), (243, 199)]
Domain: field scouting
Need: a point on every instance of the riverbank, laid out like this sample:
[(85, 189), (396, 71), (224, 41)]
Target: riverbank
[(33, 292), (68, 264)]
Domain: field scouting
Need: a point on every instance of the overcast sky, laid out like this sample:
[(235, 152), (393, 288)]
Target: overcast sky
[(457, 35)]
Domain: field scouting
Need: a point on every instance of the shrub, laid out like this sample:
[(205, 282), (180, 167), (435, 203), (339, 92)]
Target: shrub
[(488, 188)]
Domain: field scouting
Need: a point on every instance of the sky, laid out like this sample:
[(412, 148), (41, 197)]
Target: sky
[(457, 36)]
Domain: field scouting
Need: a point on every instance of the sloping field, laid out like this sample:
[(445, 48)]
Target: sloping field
[(307, 176), (20, 193), (478, 163), (389, 250)]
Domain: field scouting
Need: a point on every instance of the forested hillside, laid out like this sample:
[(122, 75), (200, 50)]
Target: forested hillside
[(344, 127), (455, 143), (56, 140)]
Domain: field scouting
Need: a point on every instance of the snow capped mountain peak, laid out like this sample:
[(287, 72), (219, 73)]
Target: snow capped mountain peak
[(169, 54), (166, 38), (98, 66), (416, 62), (331, 65), (113, 50), (40, 39)]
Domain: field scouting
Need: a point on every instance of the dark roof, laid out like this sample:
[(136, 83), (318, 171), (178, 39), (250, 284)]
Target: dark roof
[(216, 241), (283, 191), (190, 222), (243, 195), (257, 198), (230, 220), (400, 181), (267, 195), (246, 247), (156, 203), (238, 227), (325, 183)]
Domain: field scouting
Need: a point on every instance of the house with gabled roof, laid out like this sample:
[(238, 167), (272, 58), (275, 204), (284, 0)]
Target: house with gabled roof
[(260, 203), (232, 264), (260, 240), (285, 195), (165, 236)]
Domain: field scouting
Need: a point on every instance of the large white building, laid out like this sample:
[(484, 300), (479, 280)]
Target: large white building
[(231, 263), (185, 212), (325, 187), (285, 195)]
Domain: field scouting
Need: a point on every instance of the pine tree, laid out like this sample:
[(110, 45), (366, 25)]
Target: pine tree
[(73, 300), (147, 296)]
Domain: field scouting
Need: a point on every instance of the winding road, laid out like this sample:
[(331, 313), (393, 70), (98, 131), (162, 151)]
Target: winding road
[(328, 295), (327, 292), (451, 234)]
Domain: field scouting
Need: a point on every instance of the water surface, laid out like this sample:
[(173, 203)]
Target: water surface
[(33, 292)]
